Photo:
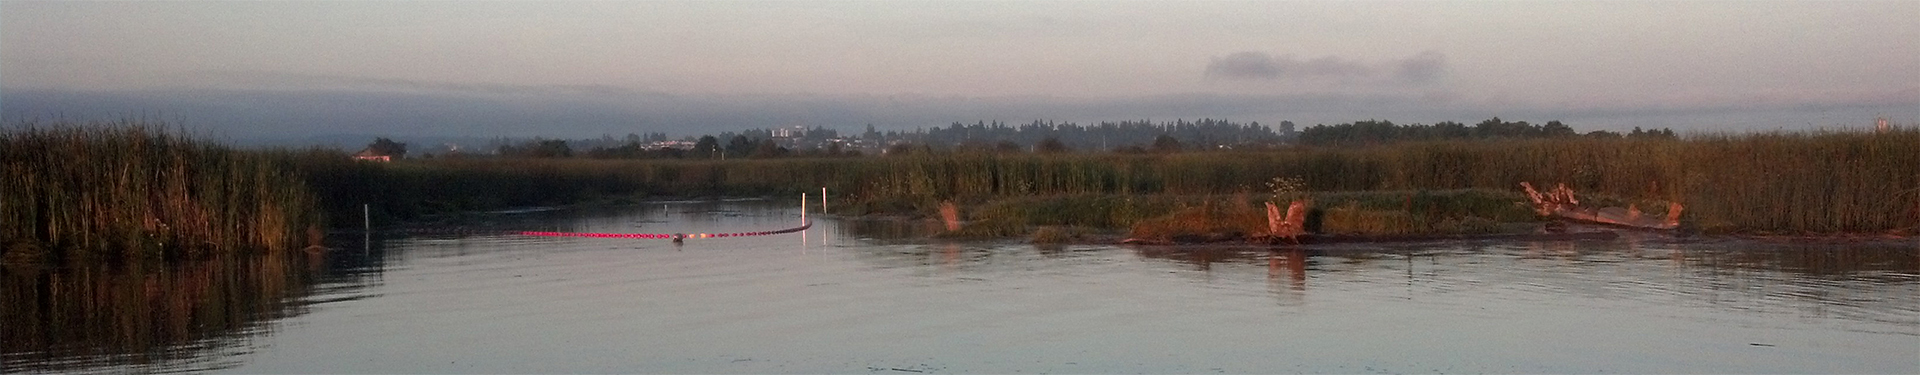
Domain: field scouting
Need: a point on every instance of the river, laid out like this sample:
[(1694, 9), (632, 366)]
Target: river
[(877, 296)]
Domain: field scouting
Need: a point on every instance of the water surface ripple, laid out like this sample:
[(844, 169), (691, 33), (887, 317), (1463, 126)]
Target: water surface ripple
[(857, 297)]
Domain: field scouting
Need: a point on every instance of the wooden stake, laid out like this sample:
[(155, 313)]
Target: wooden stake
[(366, 226)]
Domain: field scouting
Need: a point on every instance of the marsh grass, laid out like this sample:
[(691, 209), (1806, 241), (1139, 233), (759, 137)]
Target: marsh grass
[(1017, 216), (1459, 211), (1055, 234), (1463, 211), (1228, 219), (132, 189), (77, 191), (1806, 182), (1350, 219)]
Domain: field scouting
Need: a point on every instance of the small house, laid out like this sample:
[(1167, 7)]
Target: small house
[(369, 154)]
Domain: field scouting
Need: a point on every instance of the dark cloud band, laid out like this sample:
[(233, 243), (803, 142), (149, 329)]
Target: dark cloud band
[(1422, 68)]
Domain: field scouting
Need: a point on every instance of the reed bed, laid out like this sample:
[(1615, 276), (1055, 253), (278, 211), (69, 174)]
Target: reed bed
[(1786, 183), (1421, 212), (133, 190), (1226, 220), (1017, 216)]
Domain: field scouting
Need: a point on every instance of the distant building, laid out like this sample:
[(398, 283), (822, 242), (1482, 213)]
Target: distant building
[(369, 154), (661, 145), (795, 131)]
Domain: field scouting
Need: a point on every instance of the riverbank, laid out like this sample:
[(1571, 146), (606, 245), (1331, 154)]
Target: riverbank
[(841, 281), (1777, 183), (115, 190)]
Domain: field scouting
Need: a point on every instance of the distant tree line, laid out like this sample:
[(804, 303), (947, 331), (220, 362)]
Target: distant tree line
[(1378, 132), (982, 136), (387, 147), (1139, 136), (707, 147), (537, 148), (1122, 136)]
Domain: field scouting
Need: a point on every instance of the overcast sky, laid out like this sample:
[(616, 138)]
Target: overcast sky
[(575, 69)]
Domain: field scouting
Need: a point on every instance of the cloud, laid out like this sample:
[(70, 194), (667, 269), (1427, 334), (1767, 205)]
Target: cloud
[(1328, 66), (1422, 68), (1244, 65), (295, 81)]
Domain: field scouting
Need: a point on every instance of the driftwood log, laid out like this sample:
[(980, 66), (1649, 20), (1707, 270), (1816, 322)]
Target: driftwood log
[(1560, 202)]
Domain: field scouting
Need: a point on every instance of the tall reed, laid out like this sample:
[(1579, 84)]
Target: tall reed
[(132, 189), (1813, 182)]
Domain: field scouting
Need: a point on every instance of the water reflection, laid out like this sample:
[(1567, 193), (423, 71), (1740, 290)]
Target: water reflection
[(853, 295), (192, 316), (1293, 264), (188, 316), (1884, 262), (1869, 282), (1857, 282), (887, 230), (1874, 283)]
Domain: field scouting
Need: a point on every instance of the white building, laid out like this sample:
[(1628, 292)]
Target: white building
[(795, 131)]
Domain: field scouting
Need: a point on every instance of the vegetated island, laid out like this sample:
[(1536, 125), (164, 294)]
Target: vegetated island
[(132, 190)]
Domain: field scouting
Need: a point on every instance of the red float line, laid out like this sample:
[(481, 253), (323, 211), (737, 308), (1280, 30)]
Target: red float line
[(663, 236)]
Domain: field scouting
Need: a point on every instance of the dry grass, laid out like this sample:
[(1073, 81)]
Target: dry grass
[(133, 190), (1814, 182), (130, 189), (1223, 219)]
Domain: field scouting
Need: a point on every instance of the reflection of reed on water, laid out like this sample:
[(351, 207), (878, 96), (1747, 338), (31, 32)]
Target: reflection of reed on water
[(188, 316), (1893, 263), (1203, 258), (888, 230), (1857, 282), (1870, 283)]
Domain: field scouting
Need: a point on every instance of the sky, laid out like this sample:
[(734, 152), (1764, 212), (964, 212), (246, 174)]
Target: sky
[(252, 70)]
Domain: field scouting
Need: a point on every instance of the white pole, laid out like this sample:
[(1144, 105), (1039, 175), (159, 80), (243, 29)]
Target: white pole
[(803, 208), (823, 199), (366, 232)]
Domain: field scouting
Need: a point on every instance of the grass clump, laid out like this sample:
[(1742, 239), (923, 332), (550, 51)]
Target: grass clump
[(1081, 210), (1350, 219), (1421, 212), (1209, 221), (991, 228), (1813, 182), (1055, 234), (1379, 213), (132, 190)]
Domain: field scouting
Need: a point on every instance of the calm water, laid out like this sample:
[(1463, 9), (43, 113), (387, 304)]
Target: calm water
[(868, 297)]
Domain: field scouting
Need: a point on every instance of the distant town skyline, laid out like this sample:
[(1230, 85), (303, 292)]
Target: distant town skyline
[(581, 69)]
